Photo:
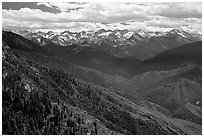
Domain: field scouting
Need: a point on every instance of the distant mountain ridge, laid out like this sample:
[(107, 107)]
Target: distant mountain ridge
[(123, 43)]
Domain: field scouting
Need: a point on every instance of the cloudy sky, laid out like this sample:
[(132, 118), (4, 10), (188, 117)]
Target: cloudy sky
[(74, 16)]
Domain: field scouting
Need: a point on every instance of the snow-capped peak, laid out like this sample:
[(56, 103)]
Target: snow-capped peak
[(50, 35), (155, 34), (178, 32), (142, 33)]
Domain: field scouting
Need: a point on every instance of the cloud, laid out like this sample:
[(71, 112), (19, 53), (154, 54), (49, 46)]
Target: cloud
[(92, 16), (64, 6), (164, 23), (45, 4), (178, 10)]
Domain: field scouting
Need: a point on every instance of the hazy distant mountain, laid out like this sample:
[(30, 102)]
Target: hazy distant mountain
[(122, 43)]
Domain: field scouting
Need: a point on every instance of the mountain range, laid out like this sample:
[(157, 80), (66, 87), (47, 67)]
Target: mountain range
[(122, 43), (90, 82)]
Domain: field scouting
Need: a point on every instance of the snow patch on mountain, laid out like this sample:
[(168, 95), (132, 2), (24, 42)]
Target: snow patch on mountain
[(73, 36), (128, 35), (118, 34), (142, 33), (179, 33), (39, 40), (105, 34)]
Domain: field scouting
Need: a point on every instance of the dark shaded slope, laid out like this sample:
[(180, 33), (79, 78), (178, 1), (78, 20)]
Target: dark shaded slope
[(191, 52), (18, 42)]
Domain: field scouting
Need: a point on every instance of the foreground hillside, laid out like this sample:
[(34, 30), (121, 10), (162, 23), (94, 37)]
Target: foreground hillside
[(40, 100)]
